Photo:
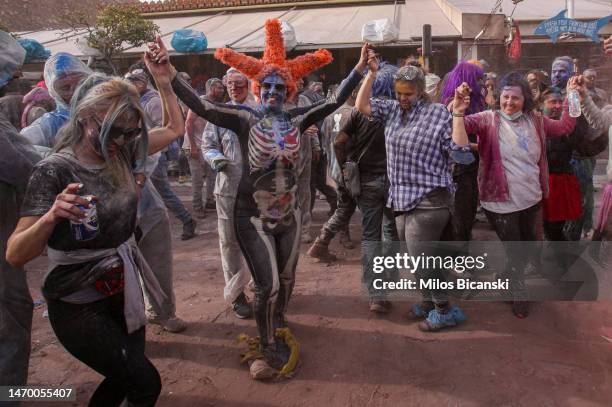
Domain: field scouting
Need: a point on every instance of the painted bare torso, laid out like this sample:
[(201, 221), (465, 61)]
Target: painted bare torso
[(273, 154)]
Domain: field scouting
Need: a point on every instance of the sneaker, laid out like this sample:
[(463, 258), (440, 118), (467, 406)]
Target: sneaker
[(242, 308), (345, 240), (261, 370), (189, 229), (174, 324), (438, 319), (380, 306), (321, 252), (200, 213), (420, 311)]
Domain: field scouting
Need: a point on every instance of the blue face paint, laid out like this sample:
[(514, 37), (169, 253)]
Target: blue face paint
[(273, 93), (561, 72)]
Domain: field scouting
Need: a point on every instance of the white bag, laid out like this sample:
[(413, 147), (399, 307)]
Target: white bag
[(87, 50), (288, 35), (382, 30)]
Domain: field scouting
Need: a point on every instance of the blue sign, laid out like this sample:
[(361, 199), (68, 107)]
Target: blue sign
[(560, 24)]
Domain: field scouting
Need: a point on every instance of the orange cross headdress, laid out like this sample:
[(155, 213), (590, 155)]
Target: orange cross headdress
[(274, 61)]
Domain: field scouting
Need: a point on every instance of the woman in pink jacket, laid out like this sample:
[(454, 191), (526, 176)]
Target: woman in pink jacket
[(513, 172)]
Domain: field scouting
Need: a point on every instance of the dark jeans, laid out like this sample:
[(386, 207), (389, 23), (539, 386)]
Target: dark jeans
[(96, 334), (318, 181), (341, 217), (379, 230), (519, 229), (159, 177), (271, 253)]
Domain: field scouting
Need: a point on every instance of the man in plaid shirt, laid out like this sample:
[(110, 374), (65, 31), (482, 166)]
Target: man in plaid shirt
[(419, 149)]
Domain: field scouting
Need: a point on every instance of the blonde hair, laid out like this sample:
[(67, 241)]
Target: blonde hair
[(112, 97)]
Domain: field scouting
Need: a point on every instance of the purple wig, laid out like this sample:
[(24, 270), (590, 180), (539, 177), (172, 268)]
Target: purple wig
[(473, 75)]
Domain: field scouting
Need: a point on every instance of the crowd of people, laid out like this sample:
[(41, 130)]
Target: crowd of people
[(84, 176)]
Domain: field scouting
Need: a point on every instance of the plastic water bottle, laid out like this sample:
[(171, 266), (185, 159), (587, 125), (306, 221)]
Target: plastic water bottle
[(573, 99)]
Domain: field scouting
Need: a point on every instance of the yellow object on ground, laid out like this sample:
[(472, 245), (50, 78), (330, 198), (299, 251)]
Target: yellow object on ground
[(253, 352), (294, 345)]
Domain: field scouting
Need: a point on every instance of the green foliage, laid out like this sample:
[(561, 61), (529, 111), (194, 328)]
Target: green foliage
[(112, 28), (116, 25)]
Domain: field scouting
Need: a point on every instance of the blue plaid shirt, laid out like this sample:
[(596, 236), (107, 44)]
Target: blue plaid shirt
[(418, 145)]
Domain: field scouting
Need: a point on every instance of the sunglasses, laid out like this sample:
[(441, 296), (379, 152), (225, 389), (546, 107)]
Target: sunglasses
[(268, 86), (115, 132)]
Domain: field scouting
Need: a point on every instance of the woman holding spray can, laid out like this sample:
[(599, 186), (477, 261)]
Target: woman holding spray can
[(81, 203)]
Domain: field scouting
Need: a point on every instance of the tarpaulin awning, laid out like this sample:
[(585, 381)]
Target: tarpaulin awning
[(332, 27)]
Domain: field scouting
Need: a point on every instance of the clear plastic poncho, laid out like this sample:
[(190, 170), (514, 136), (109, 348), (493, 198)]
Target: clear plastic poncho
[(59, 67)]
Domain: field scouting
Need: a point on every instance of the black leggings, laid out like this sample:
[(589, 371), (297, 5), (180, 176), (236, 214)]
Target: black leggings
[(518, 229), (463, 213), (96, 334), (271, 254)]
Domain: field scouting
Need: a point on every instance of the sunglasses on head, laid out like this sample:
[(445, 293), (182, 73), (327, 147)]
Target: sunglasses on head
[(408, 75)]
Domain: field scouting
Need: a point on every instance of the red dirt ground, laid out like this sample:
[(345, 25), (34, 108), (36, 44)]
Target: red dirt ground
[(559, 356)]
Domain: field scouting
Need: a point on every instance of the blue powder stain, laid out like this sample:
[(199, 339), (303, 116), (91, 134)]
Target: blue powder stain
[(63, 63)]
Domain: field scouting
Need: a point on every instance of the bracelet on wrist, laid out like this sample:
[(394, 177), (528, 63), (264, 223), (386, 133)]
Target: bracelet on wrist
[(458, 114)]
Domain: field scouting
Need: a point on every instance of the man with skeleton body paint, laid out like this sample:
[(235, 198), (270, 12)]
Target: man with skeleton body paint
[(268, 216)]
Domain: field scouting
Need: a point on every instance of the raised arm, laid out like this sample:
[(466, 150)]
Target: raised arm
[(319, 112), (216, 114), (460, 104), (220, 115), (173, 125), (365, 92), (600, 119)]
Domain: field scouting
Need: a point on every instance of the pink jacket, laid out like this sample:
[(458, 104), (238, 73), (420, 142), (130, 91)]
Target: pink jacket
[(492, 183)]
